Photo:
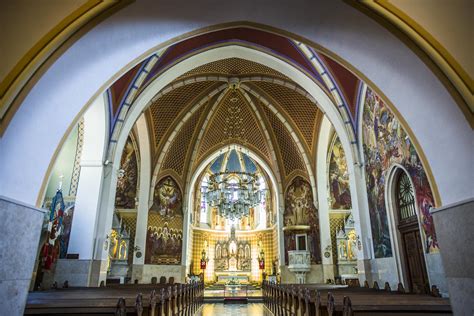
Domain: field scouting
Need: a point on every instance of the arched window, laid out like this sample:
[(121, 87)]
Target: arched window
[(405, 198)]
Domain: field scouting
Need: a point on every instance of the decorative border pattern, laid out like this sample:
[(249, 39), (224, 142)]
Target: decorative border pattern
[(76, 171)]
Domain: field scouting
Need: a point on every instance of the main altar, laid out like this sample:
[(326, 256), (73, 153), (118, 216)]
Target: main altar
[(232, 260)]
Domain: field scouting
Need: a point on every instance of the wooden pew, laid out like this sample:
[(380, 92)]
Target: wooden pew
[(316, 299), (137, 299)]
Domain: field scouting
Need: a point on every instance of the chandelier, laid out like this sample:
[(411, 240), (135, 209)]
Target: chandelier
[(233, 193)]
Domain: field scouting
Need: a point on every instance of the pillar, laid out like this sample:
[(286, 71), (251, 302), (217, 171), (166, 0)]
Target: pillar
[(21, 229), (143, 197), (323, 198), (454, 229), (79, 272)]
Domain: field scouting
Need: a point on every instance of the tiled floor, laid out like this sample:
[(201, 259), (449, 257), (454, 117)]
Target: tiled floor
[(220, 309)]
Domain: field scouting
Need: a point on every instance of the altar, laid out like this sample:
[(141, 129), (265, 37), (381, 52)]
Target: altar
[(242, 277)]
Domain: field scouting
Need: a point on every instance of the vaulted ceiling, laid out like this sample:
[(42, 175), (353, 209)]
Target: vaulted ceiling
[(233, 101)]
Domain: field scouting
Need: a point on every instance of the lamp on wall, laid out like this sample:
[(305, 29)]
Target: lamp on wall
[(261, 260), (204, 259)]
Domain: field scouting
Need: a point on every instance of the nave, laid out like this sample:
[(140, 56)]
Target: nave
[(234, 152), (275, 299)]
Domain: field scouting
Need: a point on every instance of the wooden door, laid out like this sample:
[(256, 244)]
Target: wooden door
[(415, 262), (411, 240)]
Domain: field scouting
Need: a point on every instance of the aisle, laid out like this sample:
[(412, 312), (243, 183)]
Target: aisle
[(220, 309)]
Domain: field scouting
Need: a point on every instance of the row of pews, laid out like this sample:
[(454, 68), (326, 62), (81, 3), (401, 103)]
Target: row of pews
[(120, 300), (332, 300)]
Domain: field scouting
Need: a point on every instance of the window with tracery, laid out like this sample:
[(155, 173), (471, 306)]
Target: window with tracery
[(405, 198)]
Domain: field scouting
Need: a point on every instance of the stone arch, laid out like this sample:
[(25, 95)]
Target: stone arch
[(360, 62), (275, 183), (392, 176)]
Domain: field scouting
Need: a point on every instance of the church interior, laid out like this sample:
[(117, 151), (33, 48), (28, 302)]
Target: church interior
[(312, 158)]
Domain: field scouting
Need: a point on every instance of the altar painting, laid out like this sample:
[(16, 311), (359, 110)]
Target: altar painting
[(339, 192), (385, 142), (165, 224), (127, 180), (233, 255), (301, 215)]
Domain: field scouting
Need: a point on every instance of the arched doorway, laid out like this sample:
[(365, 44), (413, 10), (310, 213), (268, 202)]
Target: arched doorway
[(411, 246)]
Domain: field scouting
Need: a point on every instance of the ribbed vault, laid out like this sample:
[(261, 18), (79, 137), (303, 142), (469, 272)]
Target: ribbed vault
[(233, 101)]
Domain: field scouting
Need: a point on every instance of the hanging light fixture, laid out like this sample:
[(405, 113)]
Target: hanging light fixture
[(233, 193)]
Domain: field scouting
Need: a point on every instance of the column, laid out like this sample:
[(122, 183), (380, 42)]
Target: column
[(454, 229), (143, 197), (78, 271), (323, 197), (21, 230)]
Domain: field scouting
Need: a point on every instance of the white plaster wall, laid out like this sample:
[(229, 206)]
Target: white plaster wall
[(436, 274), (74, 78), (89, 188), (384, 270)]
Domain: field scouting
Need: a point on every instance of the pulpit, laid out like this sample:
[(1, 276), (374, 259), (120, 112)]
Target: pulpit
[(299, 264)]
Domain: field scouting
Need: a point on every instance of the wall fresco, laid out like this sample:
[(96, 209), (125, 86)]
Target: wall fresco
[(165, 224), (384, 143), (301, 217), (66, 230), (339, 191), (128, 178)]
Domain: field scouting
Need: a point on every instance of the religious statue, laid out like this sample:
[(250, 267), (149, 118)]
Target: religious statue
[(119, 240)]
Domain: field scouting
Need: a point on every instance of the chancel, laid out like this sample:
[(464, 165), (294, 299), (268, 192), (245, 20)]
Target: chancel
[(200, 158)]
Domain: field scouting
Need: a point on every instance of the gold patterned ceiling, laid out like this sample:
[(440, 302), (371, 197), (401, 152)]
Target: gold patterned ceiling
[(233, 101)]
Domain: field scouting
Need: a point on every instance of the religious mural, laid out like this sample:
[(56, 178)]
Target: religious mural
[(301, 217), (339, 192), (163, 245), (385, 142), (51, 248), (165, 224), (66, 231), (127, 179)]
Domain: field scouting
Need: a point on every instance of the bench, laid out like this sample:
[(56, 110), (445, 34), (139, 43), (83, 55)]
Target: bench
[(130, 299), (320, 299)]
